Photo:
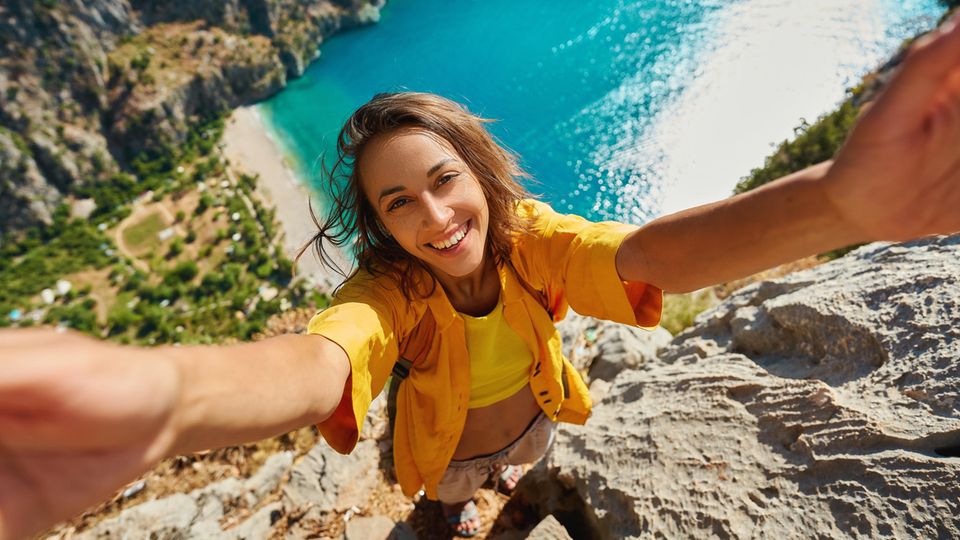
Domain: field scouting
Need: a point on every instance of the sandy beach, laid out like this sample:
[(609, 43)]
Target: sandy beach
[(250, 149)]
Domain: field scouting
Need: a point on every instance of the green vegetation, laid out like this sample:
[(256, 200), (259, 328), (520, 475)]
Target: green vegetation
[(812, 144), (143, 235), (43, 255), (680, 310), (177, 300)]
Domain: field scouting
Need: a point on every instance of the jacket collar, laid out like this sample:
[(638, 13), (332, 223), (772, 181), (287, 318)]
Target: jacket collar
[(443, 311)]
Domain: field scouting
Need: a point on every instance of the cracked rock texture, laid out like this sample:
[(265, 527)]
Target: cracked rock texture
[(823, 404)]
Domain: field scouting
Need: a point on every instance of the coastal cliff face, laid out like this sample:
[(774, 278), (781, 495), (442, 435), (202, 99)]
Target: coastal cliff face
[(87, 88), (825, 403)]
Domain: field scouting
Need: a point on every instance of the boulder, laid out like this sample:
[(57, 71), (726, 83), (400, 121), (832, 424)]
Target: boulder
[(821, 404), (549, 529), (603, 348), (257, 526), (170, 517), (328, 481), (378, 528), (198, 514)]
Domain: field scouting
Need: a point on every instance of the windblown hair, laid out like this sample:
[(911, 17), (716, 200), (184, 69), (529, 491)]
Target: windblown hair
[(352, 220)]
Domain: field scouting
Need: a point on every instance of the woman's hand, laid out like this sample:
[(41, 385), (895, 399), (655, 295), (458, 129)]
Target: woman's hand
[(78, 419), (898, 175)]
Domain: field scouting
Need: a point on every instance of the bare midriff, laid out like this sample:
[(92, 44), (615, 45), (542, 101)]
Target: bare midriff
[(492, 428)]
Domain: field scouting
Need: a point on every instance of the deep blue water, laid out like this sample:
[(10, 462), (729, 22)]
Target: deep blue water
[(620, 109)]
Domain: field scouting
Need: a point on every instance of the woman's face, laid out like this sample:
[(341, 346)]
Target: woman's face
[(428, 199)]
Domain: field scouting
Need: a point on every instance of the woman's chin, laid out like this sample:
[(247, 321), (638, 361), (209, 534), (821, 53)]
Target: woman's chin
[(465, 266)]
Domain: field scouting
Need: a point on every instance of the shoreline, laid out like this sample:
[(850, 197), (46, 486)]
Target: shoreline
[(250, 148)]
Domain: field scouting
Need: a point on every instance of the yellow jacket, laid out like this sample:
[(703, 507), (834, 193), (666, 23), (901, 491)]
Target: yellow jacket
[(568, 262)]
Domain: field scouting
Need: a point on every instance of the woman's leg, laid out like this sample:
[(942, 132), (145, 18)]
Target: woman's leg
[(456, 491)]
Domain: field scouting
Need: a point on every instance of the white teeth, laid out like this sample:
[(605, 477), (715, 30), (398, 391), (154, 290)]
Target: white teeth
[(453, 240)]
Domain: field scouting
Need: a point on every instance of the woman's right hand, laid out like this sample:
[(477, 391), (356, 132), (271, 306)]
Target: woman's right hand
[(79, 418)]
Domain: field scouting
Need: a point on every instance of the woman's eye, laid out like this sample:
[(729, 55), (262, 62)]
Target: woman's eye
[(446, 178), (396, 204)]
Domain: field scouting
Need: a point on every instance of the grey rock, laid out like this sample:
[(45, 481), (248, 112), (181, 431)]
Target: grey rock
[(329, 481), (170, 517), (604, 348), (268, 477), (215, 500), (368, 528), (549, 529), (257, 526), (824, 403), (82, 208), (376, 423), (198, 514), (377, 528)]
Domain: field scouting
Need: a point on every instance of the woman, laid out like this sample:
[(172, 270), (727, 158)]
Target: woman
[(82, 417), (462, 276)]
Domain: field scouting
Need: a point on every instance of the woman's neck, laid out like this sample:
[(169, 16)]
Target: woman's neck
[(476, 293)]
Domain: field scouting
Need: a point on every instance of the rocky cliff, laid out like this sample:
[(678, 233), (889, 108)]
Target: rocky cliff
[(89, 88), (824, 404)]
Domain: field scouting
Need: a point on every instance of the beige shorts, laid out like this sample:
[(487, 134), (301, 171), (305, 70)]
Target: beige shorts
[(464, 478)]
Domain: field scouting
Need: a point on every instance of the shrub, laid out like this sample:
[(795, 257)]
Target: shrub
[(206, 201), (812, 144), (176, 248), (182, 273), (119, 318)]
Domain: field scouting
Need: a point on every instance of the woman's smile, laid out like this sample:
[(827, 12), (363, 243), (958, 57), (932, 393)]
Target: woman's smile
[(453, 242)]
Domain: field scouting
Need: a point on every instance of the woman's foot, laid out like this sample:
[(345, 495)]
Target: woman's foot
[(463, 518), (506, 478)]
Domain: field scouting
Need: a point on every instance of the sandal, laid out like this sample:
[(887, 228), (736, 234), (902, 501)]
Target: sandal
[(510, 472), (467, 512)]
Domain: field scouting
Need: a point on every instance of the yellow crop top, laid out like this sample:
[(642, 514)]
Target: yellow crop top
[(500, 360)]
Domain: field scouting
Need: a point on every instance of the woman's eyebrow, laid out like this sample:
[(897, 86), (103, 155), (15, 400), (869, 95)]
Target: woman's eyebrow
[(435, 168), (390, 191), (439, 164)]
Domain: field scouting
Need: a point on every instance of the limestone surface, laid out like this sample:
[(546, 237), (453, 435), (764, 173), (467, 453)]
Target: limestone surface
[(823, 404)]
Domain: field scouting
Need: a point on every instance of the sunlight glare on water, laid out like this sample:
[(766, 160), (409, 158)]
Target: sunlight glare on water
[(620, 109)]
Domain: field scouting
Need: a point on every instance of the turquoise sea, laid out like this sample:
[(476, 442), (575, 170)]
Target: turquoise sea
[(620, 109)]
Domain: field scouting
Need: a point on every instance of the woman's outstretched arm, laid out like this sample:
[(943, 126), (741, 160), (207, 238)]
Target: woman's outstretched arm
[(251, 391), (897, 177), (79, 417)]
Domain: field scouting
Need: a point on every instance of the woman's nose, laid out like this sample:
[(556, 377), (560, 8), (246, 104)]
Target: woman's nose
[(436, 212)]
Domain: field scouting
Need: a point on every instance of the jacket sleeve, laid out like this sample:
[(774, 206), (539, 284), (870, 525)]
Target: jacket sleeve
[(363, 320), (575, 260)]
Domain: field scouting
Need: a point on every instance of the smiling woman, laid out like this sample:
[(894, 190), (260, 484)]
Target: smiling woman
[(460, 154)]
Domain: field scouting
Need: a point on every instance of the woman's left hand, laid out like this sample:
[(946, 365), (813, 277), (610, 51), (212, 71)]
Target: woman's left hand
[(898, 175)]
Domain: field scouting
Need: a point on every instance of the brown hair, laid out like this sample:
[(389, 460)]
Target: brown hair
[(351, 215)]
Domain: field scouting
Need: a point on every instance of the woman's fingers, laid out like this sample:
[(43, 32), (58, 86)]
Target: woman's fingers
[(930, 62)]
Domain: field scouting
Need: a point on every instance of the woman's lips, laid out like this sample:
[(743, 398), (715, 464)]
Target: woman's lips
[(466, 230)]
